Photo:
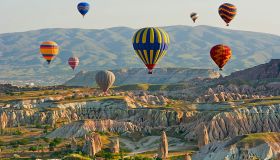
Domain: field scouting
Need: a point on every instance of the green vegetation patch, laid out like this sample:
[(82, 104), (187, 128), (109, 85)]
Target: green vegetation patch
[(75, 157)]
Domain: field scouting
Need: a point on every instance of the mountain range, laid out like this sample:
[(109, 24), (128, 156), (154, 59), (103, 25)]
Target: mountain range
[(112, 49)]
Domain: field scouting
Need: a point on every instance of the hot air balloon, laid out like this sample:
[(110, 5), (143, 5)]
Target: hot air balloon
[(83, 8), (105, 79), (49, 50), (150, 44), (73, 62), (220, 54), (194, 16), (227, 12)]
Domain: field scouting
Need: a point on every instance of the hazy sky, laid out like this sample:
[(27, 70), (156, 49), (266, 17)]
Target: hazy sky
[(24, 15)]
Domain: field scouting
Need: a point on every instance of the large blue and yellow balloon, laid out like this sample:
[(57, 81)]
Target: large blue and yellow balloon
[(83, 8), (150, 44)]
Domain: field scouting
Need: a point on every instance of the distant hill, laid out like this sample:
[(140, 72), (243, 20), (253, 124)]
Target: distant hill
[(111, 49), (137, 75), (264, 72)]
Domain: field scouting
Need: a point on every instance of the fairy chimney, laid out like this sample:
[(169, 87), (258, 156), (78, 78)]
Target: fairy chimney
[(187, 156), (203, 138), (92, 144), (3, 121), (115, 145), (163, 146)]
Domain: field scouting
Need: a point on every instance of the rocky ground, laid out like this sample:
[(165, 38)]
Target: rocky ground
[(143, 114)]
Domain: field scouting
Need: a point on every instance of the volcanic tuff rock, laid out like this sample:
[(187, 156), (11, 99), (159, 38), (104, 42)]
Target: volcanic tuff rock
[(81, 128), (263, 146), (74, 144), (93, 144), (163, 146), (126, 117), (202, 136), (3, 120), (222, 93), (187, 157), (115, 145), (134, 76)]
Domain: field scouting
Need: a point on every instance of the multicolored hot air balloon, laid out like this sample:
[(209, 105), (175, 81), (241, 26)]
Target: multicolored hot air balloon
[(227, 12), (49, 50), (194, 16), (73, 62), (150, 44), (220, 54), (105, 80), (83, 8)]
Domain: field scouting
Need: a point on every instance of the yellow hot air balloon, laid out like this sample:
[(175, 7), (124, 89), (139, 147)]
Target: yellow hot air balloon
[(49, 50)]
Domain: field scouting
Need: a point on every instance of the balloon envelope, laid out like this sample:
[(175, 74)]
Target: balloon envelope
[(150, 44), (105, 80), (83, 8), (73, 62), (227, 12), (221, 54), (49, 50), (194, 16)]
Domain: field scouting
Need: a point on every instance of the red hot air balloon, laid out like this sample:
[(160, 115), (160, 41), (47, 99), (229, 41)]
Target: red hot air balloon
[(73, 62), (220, 54)]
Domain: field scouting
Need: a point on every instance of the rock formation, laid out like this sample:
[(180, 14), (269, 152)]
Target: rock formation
[(74, 144), (187, 156), (81, 128), (3, 121), (163, 146), (92, 144), (121, 117), (115, 145), (203, 138), (267, 147)]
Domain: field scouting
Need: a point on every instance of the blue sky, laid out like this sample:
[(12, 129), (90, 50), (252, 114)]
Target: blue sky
[(24, 15)]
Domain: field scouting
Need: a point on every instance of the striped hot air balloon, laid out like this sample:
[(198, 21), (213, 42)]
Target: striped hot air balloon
[(150, 44), (73, 62), (220, 54), (49, 50), (83, 8), (227, 12), (194, 16)]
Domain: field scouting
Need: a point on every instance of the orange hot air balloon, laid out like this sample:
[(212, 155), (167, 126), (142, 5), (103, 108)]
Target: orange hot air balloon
[(49, 50), (220, 54)]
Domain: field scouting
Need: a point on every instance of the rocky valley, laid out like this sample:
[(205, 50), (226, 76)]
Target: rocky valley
[(200, 117)]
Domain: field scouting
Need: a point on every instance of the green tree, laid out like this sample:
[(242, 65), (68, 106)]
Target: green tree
[(52, 145), (32, 148)]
